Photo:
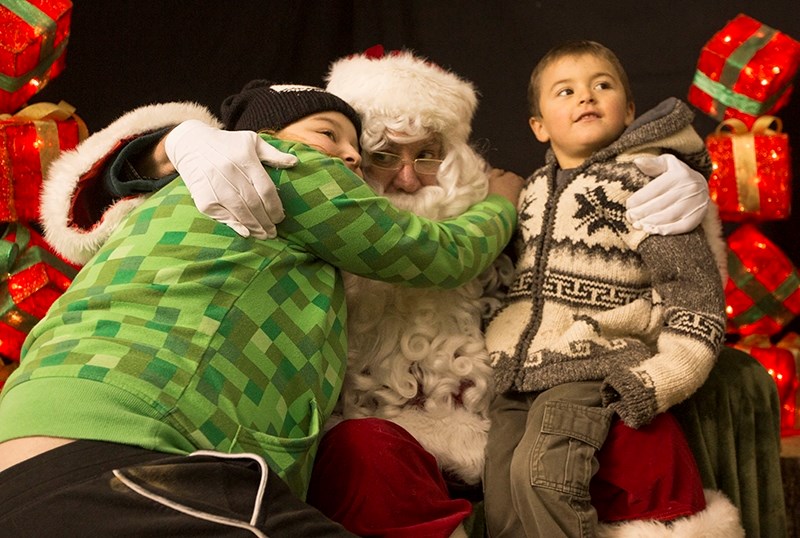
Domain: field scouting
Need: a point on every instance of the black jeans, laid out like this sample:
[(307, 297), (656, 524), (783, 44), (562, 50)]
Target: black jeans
[(97, 489)]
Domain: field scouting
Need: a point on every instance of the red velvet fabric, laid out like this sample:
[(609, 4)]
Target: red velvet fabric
[(375, 479), (649, 473), (91, 199)]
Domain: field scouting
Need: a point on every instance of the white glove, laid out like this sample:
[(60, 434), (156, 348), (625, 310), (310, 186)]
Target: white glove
[(224, 174), (675, 202)]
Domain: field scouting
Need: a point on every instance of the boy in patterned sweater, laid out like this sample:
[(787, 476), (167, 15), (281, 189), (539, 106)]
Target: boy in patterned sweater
[(181, 336), (602, 319)]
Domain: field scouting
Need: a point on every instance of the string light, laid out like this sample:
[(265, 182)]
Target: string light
[(762, 294), (36, 279), (751, 90), (780, 361)]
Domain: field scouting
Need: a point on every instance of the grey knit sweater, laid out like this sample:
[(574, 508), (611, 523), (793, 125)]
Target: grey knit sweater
[(596, 299)]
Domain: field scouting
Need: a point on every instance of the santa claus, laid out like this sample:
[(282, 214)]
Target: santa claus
[(417, 357)]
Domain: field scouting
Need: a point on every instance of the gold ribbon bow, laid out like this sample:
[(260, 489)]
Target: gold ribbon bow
[(44, 115), (49, 111), (744, 155)]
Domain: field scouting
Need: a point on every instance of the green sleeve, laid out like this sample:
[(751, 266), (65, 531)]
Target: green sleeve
[(332, 213)]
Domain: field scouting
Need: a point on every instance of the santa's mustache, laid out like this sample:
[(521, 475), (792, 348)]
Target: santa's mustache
[(426, 202)]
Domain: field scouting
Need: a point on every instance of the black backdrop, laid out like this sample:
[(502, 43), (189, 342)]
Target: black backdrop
[(123, 54)]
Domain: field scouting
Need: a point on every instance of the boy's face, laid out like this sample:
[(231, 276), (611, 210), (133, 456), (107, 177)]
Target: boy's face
[(583, 108), (329, 132)]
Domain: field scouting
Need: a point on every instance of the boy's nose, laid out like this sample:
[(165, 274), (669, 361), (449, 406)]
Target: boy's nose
[(353, 160)]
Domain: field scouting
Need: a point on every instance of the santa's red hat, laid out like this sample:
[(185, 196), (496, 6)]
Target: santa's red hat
[(384, 87), (648, 485)]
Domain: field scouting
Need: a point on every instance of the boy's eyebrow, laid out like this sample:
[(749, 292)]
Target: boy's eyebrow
[(594, 76), (331, 122), (559, 82), (604, 74), (324, 117)]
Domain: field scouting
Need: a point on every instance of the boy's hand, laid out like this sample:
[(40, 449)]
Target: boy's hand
[(225, 177), (675, 202), (506, 184), (626, 395)]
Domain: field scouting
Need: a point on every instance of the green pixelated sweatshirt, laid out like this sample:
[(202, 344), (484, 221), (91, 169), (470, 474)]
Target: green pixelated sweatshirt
[(181, 335)]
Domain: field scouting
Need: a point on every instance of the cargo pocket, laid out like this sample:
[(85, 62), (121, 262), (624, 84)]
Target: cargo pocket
[(563, 456), (290, 457)]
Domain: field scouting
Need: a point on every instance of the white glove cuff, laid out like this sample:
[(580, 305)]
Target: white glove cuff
[(175, 135)]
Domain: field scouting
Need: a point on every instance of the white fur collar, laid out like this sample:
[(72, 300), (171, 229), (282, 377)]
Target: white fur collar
[(64, 177)]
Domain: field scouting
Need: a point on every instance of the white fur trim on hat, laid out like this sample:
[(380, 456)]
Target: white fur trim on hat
[(64, 175), (401, 84), (720, 519)]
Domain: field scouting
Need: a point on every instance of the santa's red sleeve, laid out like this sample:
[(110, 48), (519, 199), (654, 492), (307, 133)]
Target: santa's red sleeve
[(78, 212)]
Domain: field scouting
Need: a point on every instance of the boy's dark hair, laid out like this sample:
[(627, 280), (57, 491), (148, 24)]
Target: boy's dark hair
[(573, 48)]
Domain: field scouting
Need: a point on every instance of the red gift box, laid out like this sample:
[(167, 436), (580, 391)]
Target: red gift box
[(33, 41), (762, 294), (791, 408), (780, 361), (752, 172), (29, 142), (745, 71), (35, 276)]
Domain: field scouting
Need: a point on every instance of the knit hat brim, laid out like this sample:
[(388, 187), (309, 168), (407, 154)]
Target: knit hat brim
[(265, 105)]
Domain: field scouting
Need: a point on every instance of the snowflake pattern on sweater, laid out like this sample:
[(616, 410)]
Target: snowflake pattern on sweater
[(596, 299)]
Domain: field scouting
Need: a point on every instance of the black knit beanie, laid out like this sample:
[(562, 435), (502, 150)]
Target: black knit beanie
[(266, 105)]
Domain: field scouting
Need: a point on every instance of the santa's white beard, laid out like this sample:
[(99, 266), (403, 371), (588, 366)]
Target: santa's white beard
[(418, 357), (426, 202)]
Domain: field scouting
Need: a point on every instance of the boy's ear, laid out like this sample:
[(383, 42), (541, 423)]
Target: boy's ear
[(630, 114), (538, 129)]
